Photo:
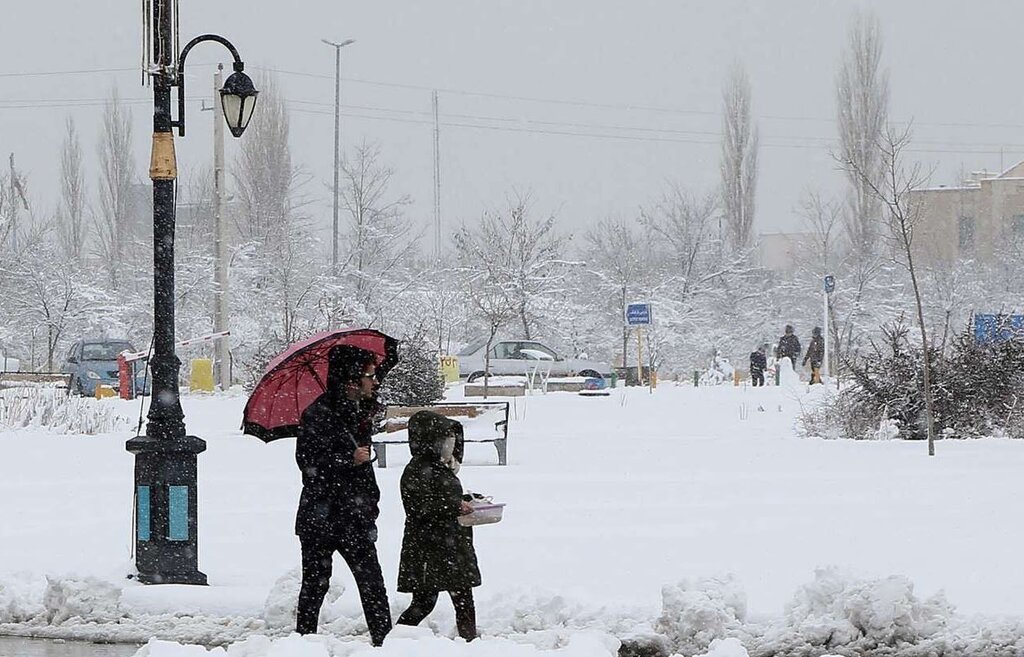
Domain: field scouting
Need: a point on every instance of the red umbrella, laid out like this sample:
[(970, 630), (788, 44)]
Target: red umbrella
[(298, 375)]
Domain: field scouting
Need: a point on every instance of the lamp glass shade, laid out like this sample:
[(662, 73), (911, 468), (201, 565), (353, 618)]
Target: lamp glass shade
[(238, 98)]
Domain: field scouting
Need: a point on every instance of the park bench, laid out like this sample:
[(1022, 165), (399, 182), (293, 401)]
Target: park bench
[(477, 419), (35, 379)]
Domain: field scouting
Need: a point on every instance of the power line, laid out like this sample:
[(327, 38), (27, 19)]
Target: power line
[(566, 133), (84, 71), (534, 99), (555, 128)]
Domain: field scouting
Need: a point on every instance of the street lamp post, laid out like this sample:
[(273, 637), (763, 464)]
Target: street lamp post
[(166, 543), (337, 143)]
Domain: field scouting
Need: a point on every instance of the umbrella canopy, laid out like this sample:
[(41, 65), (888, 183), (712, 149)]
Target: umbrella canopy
[(298, 375)]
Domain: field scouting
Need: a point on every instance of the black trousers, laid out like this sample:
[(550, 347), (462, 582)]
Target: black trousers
[(465, 611), (756, 378), (360, 553)]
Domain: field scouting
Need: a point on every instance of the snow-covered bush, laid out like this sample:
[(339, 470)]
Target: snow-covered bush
[(978, 390), (42, 406), (416, 380)]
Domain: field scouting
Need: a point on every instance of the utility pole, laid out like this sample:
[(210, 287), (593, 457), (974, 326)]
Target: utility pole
[(337, 144), (437, 181), (222, 362)]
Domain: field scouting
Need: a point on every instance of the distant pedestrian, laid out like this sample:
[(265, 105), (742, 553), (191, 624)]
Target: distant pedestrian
[(338, 507), (437, 552), (789, 346), (815, 354), (758, 364)]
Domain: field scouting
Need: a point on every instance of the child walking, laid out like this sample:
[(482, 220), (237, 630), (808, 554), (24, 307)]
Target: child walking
[(437, 552)]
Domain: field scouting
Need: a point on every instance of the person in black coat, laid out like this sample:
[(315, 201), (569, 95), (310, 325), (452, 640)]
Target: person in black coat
[(789, 346), (338, 507), (437, 552), (815, 354), (758, 364)]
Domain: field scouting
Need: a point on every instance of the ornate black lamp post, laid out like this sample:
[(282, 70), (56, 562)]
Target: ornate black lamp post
[(165, 458)]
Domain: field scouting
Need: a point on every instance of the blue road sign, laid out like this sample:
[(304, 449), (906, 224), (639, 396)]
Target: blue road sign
[(830, 284), (638, 314), (994, 328)]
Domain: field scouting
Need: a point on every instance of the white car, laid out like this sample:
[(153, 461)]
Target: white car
[(511, 357)]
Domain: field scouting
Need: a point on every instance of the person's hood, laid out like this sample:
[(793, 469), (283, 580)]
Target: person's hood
[(427, 431)]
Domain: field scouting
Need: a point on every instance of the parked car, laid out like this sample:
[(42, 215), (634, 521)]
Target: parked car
[(513, 357), (93, 361)]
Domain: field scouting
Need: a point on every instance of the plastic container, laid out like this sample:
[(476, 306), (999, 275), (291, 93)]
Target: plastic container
[(484, 513)]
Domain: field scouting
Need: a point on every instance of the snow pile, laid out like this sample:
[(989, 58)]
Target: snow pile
[(836, 610), (725, 648), (695, 613), (53, 408), (402, 642), (21, 598), (81, 599)]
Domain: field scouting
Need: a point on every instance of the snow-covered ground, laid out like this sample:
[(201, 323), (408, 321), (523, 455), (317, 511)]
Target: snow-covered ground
[(690, 514)]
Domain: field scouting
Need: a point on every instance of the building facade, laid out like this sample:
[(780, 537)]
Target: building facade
[(972, 221)]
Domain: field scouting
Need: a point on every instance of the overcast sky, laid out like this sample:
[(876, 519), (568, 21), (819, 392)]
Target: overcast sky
[(521, 80)]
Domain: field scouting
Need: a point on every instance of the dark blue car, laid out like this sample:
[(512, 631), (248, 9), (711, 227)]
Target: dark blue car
[(93, 361)]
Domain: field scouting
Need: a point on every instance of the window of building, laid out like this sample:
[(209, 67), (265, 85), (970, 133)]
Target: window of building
[(965, 226)]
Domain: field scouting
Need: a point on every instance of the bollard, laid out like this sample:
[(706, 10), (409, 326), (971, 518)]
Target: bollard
[(201, 376), (696, 378), (125, 380), (736, 378)]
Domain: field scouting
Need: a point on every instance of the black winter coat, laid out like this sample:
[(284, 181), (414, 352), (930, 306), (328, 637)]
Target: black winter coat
[(789, 345), (815, 351), (437, 552), (338, 496), (758, 362)]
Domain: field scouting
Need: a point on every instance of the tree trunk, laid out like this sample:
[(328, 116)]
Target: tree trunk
[(926, 375)]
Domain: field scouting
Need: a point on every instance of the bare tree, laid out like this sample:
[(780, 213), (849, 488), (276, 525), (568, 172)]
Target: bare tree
[(378, 232), (904, 212), (862, 101), (523, 256), (615, 253), (71, 227), (13, 199), (114, 227), (265, 179), (739, 159), (683, 222)]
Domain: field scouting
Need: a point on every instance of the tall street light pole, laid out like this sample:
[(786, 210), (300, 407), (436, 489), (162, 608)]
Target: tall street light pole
[(337, 144), (166, 542)]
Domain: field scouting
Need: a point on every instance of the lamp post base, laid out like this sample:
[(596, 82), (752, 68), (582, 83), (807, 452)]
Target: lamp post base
[(166, 545)]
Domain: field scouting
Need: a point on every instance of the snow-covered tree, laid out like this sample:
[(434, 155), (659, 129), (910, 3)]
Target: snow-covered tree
[(71, 226), (522, 257), (115, 226), (377, 240), (904, 212), (739, 159), (862, 102)]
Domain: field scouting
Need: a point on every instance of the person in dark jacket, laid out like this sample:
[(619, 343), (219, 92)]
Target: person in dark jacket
[(758, 364), (437, 552), (815, 354), (338, 507), (789, 346)]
